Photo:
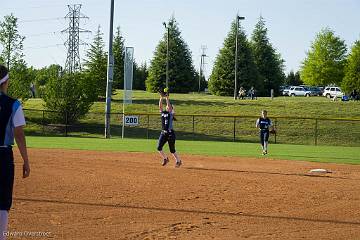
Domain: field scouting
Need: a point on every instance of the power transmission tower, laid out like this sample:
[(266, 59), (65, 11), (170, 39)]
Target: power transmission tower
[(73, 63), (202, 65)]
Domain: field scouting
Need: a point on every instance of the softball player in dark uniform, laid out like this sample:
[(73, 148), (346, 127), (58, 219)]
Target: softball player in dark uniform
[(11, 125), (264, 124), (167, 133)]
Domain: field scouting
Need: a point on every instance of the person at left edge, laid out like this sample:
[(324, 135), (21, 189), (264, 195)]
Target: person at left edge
[(11, 125)]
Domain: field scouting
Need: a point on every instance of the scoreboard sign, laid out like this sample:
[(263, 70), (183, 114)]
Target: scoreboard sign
[(131, 120)]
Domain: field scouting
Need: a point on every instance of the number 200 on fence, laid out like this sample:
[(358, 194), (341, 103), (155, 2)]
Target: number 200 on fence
[(131, 120)]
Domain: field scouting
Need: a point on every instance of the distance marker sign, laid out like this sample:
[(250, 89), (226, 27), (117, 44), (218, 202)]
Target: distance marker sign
[(131, 120)]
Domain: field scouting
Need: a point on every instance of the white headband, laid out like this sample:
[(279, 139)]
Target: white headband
[(4, 79)]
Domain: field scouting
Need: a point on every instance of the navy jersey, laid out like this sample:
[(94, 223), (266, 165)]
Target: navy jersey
[(8, 107), (167, 120), (263, 123)]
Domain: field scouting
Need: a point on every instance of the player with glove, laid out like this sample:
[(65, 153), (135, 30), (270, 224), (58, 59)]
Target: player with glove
[(265, 127), (167, 133)]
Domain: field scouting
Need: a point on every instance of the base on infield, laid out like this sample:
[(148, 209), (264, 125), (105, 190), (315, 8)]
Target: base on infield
[(319, 170)]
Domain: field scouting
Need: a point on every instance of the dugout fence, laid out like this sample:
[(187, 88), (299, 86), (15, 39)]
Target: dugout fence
[(204, 127)]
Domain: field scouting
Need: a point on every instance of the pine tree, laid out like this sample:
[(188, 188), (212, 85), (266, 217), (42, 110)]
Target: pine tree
[(140, 75), (293, 79), (325, 61), (352, 70), (119, 50), (269, 63), (96, 64), (181, 70), (222, 78)]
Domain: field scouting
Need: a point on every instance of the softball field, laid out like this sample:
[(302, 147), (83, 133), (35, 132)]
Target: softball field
[(82, 195)]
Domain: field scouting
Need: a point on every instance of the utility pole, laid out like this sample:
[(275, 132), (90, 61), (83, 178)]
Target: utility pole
[(202, 64), (167, 53), (110, 73), (73, 62), (236, 52)]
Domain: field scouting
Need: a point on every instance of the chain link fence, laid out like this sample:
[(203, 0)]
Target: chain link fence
[(290, 130)]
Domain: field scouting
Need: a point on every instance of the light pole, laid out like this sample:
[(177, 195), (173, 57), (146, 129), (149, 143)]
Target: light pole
[(167, 54), (110, 74), (236, 52)]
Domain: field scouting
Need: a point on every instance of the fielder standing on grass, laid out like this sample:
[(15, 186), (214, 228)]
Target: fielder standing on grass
[(264, 124), (11, 124), (167, 133)]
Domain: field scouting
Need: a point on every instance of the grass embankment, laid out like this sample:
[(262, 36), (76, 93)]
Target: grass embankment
[(290, 130)]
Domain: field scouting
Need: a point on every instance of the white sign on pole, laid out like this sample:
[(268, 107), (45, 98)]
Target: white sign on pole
[(131, 120), (128, 74)]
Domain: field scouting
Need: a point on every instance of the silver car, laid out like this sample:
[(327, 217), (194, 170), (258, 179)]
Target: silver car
[(299, 91)]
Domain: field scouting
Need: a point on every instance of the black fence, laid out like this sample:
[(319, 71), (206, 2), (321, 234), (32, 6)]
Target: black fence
[(306, 131)]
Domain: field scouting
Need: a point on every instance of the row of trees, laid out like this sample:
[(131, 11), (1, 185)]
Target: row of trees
[(259, 66)]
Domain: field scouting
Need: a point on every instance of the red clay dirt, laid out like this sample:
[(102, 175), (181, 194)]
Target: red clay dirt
[(86, 195)]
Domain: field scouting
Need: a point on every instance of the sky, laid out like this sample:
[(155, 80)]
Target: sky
[(292, 25)]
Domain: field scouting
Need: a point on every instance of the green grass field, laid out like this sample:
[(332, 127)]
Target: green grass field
[(291, 130), (344, 155)]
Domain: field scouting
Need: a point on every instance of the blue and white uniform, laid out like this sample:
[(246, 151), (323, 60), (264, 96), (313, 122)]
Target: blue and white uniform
[(264, 124), (167, 133), (11, 116)]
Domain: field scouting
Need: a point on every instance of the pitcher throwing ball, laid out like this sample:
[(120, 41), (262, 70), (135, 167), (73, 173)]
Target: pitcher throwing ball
[(167, 133), (11, 124), (264, 124)]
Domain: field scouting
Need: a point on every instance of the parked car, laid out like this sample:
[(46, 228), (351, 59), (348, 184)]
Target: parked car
[(299, 91), (331, 92), (285, 90), (315, 91)]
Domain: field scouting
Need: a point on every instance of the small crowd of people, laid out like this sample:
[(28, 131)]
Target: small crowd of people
[(354, 95), (251, 94)]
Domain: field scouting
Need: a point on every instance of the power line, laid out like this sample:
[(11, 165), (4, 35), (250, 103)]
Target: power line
[(40, 20), (42, 34), (42, 47)]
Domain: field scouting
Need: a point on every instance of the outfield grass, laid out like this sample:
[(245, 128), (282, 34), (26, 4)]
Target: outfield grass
[(205, 128), (344, 155)]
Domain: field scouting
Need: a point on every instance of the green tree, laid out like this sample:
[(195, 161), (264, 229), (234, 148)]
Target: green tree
[(43, 75), (96, 64), (119, 50), (11, 41), (325, 61), (269, 63), (70, 96), (352, 70), (222, 77), (181, 70), (140, 75), (21, 78), (293, 79)]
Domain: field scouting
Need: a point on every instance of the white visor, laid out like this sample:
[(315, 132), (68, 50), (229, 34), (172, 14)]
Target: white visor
[(4, 79)]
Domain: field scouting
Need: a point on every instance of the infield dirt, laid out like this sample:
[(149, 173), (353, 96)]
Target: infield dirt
[(84, 195)]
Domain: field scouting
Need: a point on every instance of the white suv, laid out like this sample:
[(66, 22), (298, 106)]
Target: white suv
[(299, 91), (330, 92)]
